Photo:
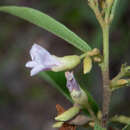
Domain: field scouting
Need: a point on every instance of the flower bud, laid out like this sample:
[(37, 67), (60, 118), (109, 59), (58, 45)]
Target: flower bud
[(97, 59), (69, 114), (99, 115), (78, 95), (92, 124), (87, 64), (122, 82), (58, 124), (94, 52), (63, 125), (119, 83)]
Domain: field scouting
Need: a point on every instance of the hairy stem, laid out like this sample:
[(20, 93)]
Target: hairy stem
[(105, 75), (106, 97), (104, 23)]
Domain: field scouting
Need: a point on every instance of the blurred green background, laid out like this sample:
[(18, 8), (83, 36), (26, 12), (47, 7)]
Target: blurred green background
[(28, 103)]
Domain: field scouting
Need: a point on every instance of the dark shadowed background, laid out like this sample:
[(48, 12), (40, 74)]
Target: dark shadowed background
[(28, 103)]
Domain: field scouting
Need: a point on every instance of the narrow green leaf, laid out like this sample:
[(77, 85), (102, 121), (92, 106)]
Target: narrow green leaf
[(121, 119), (113, 8), (57, 79), (46, 22), (91, 101)]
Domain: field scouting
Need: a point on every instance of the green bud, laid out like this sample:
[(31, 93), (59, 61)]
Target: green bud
[(121, 82), (68, 62), (58, 124), (92, 124), (69, 114), (94, 52), (87, 64), (99, 115)]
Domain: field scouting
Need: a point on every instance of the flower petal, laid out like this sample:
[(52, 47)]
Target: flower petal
[(30, 64), (52, 60), (41, 60), (42, 56), (36, 70), (37, 50), (71, 82)]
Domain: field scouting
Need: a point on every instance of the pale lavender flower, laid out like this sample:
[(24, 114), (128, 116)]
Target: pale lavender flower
[(78, 95), (71, 82), (41, 60)]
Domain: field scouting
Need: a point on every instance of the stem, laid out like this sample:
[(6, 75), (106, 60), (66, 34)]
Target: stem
[(105, 31), (105, 75), (83, 55), (107, 15), (97, 13), (105, 23), (113, 9), (91, 112)]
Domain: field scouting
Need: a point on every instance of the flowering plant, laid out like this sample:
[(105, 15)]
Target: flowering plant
[(42, 60)]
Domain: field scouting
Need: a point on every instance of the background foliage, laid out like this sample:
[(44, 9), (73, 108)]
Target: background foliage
[(25, 100)]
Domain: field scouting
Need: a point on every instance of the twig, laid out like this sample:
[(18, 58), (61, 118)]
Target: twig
[(113, 9), (97, 12), (104, 22)]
